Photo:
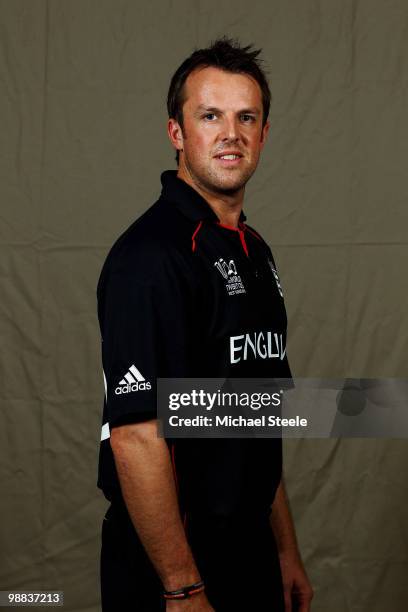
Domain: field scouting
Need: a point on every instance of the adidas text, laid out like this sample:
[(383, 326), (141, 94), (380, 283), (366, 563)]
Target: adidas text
[(137, 386)]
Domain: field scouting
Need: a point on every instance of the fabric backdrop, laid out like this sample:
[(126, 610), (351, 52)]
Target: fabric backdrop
[(83, 141)]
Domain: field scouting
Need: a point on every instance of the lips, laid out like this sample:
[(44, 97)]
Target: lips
[(228, 155), (229, 159)]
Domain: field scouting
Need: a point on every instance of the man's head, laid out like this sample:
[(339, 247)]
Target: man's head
[(218, 103)]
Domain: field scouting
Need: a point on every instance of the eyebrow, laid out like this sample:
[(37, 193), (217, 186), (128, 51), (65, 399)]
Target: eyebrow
[(214, 109)]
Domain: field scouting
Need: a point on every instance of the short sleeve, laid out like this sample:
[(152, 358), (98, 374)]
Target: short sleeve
[(145, 321)]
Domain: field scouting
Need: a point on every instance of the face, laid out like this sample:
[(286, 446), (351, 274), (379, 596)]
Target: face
[(222, 134)]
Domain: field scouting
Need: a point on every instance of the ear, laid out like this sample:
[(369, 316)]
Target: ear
[(264, 133), (175, 134)]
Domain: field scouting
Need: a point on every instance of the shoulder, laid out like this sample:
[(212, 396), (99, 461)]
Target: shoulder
[(261, 241), (154, 244), (256, 235)]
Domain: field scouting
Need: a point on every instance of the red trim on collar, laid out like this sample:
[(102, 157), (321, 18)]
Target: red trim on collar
[(197, 229), (235, 229), (240, 231)]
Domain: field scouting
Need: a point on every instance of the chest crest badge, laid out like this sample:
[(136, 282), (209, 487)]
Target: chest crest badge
[(233, 281)]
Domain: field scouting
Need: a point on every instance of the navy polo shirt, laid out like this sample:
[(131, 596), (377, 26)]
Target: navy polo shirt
[(182, 295)]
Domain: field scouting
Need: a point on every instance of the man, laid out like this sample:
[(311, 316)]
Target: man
[(195, 525)]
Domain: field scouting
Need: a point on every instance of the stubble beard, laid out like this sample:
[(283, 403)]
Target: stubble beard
[(223, 181)]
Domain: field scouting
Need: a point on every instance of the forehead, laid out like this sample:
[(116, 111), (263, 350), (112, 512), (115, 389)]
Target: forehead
[(214, 87)]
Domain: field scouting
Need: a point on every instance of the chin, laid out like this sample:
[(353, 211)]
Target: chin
[(232, 183), (222, 184)]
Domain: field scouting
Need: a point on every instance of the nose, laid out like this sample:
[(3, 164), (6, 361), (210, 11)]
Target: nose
[(231, 130)]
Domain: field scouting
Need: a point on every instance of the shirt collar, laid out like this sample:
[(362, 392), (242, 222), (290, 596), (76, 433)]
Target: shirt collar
[(187, 199)]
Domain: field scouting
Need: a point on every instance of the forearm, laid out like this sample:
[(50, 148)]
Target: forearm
[(282, 523), (146, 477), (296, 584)]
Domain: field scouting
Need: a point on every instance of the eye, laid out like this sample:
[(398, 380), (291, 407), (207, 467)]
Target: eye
[(209, 116), (246, 118)]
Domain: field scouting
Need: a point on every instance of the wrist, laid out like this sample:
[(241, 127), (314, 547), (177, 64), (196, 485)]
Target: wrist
[(290, 555), (185, 592), (178, 579), (286, 544)]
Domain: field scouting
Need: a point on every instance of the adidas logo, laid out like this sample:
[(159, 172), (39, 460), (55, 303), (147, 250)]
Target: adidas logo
[(132, 381)]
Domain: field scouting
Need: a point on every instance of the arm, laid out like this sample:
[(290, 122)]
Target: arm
[(282, 523), (145, 473), (295, 581)]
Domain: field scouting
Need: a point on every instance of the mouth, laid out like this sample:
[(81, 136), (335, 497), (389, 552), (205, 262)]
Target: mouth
[(230, 159)]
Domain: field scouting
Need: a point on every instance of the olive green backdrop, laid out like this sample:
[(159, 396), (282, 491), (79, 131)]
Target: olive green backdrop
[(83, 141)]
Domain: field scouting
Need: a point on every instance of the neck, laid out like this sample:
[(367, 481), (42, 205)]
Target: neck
[(227, 206)]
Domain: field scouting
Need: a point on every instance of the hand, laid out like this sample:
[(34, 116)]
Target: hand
[(196, 603), (298, 591)]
